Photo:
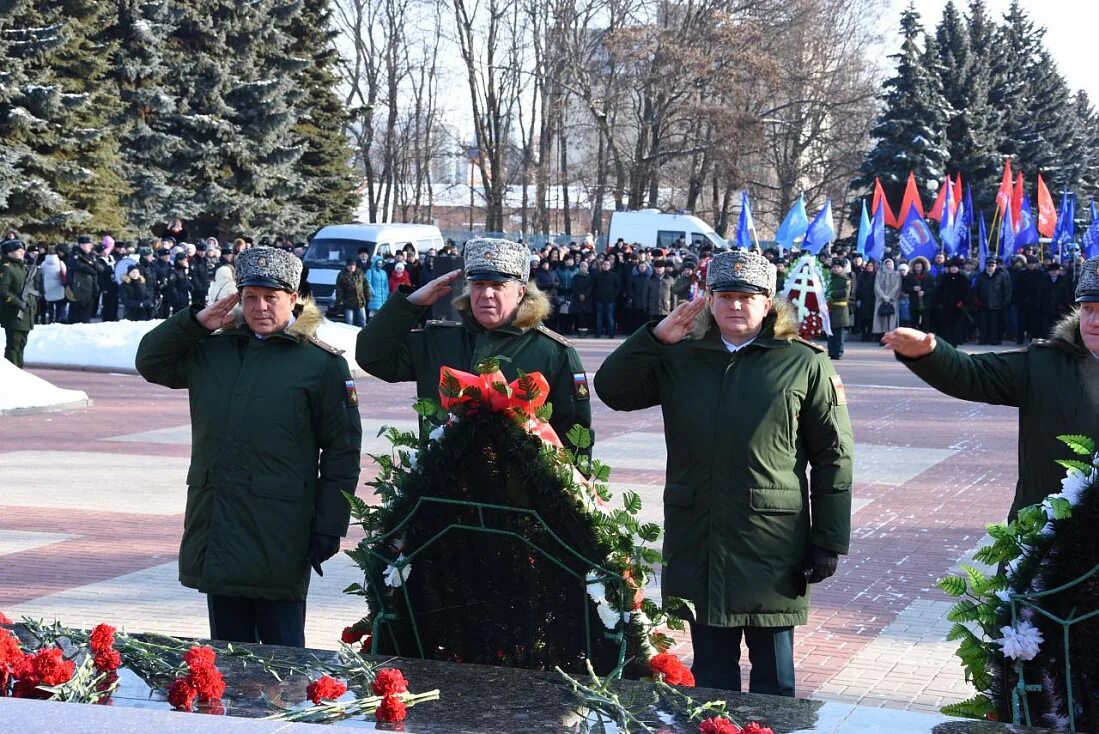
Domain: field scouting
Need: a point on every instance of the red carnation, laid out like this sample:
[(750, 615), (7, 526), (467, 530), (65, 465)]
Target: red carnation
[(102, 638), (23, 667), (108, 660), (367, 642), (4, 620), (350, 636), (181, 694), (325, 688), (52, 668), (718, 725), (754, 727), (27, 687), (389, 682), (391, 710), (208, 681), (9, 648), (200, 657), (671, 670)]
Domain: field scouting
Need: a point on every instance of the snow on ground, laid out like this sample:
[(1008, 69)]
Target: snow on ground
[(112, 345), (21, 390)]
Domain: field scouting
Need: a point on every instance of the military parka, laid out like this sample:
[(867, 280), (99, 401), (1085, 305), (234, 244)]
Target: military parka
[(759, 463), (275, 441), (13, 278)]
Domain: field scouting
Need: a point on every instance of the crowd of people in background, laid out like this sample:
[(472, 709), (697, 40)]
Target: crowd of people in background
[(594, 293)]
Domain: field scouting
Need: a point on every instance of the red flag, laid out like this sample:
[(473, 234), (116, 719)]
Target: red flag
[(936, 212), (911, 199), (957, 192), (879, 196), (1017, 201), (1047, 213), (1003, 196)]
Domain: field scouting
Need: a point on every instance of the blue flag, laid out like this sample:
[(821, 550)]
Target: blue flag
[(964, 224), (821, 232), (982, 243), (916, 239), (744, 226), (1065, 232), (864, 231), (1007, 238), (1026, 233), (875, 242), (794, 225), (948, 223), (1090, 242)]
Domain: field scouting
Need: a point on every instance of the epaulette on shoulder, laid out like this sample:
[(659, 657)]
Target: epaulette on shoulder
[(553, 335), (812, 345), (325, 346)]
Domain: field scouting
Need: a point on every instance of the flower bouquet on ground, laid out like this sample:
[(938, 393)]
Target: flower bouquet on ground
[(1029, 633), (494, 544)]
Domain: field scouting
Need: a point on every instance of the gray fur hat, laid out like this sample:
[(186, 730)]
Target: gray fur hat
[(745, 271), (496, 259), (268, 267), (1087, 288)]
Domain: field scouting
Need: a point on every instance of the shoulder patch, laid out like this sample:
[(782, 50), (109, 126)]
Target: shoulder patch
[(553, 335), (325, 346), (837, 386), (812, 345)]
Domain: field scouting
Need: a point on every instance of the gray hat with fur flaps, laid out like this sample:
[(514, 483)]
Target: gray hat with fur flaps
[(744, 271), (268, 267), (1087, 288), (496, 259)]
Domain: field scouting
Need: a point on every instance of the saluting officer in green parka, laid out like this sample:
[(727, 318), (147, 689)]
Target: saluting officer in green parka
[(501, 315), (16, 311), (275, 442), (758, 496)]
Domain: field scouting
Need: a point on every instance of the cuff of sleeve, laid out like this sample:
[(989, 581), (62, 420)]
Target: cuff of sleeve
[(187, 320), (401, 304)]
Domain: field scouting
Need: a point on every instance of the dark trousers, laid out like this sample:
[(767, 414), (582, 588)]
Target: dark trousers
[(992, 326), (234, 619), (15, 341), (604, 319), (80, 313), (835, 342), (717, 658)]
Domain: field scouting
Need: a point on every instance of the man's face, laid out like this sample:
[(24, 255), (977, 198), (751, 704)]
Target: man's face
[(1089, 325), (352, 267), (991, 268), (606, 265), (267, 310), (494, 303), (18, 254), (739, 316)]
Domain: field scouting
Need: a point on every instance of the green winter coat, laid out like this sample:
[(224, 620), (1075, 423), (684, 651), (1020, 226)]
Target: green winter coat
[(1054, 383), (391, 348), (275, 441), (742, 431), (13, 278), (841, 293)]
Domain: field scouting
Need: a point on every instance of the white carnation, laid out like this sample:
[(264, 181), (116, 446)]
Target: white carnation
[(1021, 642), (436, 433), (395, 576), (1074, 484), (413, 458), (1004, 595), (608, 616)]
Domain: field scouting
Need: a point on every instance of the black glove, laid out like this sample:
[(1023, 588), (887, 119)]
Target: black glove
[(321, 548), (819, 564)]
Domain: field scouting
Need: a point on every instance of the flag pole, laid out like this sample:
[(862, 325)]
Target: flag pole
[(996, 221)]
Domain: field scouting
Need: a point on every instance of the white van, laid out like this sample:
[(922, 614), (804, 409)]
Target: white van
[(654, 228), (331, 246)]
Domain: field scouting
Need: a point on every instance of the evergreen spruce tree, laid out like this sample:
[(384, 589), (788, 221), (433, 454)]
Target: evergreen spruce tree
[(325, 164), (910, 131), (37, 150), (1082, 159)]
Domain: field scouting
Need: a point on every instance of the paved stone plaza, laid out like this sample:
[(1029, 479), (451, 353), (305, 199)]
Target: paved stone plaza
[(92, 500)]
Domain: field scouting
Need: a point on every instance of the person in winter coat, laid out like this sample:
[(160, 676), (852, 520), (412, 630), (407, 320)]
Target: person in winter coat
[(581, 301), (399, 279), (919, 286), (18, 300), (637, 303), (377, 282), (224, 281), (502, 315), (661, 297), (54, 275), (1056, 295), (83, 281), (1052, 383), (841, 291), (350, 295), (758, 435), (276, 441), (178, 290), (605, 288), (864, 300), (137, 295), (1032, 283), (951, 300), (887, 295), (993, 294)]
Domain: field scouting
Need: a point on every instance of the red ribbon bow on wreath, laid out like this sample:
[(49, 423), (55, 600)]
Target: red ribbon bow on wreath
[(521, 397)]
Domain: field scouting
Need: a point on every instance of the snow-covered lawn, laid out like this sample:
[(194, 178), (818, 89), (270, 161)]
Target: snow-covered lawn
[(112, 345), (21, 390)]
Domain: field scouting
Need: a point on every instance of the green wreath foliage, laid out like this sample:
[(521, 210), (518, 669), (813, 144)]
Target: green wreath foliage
[(501, 539)]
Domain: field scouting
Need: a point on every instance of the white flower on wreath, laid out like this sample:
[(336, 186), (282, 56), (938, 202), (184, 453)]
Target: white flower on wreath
[(413, 459), (1004, 595), (1021, 642), (1074, 484), (598, 594), (395, 576), (436, 432)]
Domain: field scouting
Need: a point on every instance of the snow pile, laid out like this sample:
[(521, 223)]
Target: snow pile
[(112, 345), (21, 390)]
